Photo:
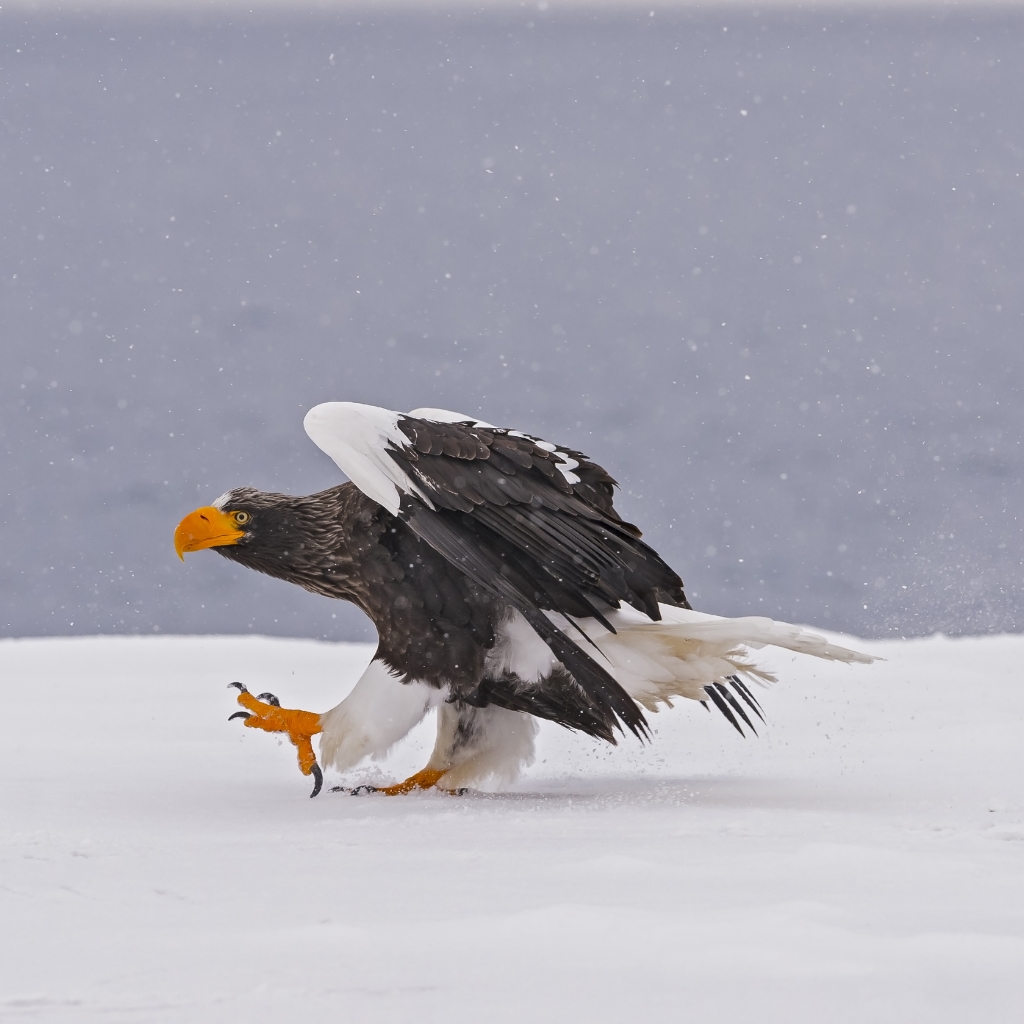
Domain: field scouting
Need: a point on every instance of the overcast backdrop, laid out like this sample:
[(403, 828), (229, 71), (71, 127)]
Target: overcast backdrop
[(766, 268)]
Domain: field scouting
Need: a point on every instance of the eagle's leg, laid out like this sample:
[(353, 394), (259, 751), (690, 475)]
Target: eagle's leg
[(454, 731), (425, 778), (472, 744), (265, 712)]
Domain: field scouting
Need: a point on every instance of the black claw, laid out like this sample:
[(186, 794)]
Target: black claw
[(241, 688), (270, 699), (318, 777), (239, 714)]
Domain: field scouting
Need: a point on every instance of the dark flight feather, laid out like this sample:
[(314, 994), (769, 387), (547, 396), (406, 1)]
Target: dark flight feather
[(735, 705), (719, 702), (741, 688)]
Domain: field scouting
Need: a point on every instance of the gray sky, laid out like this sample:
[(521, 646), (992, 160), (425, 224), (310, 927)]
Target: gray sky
[(765, 268)]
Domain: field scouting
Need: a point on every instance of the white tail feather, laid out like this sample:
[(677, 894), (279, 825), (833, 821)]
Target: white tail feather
[(687, 651)]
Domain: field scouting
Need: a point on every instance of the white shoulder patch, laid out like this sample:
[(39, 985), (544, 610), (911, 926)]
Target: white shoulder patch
[(356, 437), (447, 416)]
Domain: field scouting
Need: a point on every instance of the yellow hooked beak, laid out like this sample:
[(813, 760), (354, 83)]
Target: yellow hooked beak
[(207, 527)]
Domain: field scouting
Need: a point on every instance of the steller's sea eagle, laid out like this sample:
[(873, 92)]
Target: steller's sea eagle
[(504, 587)]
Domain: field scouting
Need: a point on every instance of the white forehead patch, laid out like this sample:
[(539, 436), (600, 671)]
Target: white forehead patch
[(221, 501)]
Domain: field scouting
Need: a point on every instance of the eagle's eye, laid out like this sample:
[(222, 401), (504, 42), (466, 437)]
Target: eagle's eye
[(241, 518)]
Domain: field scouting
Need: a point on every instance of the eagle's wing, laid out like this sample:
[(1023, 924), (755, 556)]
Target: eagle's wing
[(589, 481), (531, 523)]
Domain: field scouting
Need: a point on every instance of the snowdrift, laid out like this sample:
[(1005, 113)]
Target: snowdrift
[(863, 859)]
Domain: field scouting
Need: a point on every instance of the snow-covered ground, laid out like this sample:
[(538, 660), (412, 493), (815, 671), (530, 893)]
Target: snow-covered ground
[(863, 860)]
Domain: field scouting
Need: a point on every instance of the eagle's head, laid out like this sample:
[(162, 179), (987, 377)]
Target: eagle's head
[(300, 539), (234, 518)]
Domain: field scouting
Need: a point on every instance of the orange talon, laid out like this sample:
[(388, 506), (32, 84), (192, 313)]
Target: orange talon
[(426, 778), (301, 727)]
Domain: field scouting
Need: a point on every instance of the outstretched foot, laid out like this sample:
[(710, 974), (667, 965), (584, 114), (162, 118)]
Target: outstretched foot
[(265, 712), (427, 778)]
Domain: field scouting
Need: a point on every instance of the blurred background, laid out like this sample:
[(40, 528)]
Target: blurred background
[(763, 264)]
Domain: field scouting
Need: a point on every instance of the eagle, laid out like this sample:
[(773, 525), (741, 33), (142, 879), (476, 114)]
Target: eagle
[(504, 587)]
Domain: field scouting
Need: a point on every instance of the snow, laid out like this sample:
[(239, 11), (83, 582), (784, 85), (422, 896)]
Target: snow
[(862, 860)]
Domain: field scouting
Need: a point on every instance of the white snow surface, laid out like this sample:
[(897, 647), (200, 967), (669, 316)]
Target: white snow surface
[(863, 860)]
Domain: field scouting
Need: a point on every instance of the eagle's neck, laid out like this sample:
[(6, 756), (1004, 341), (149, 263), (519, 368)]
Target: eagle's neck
[(315, 541)]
